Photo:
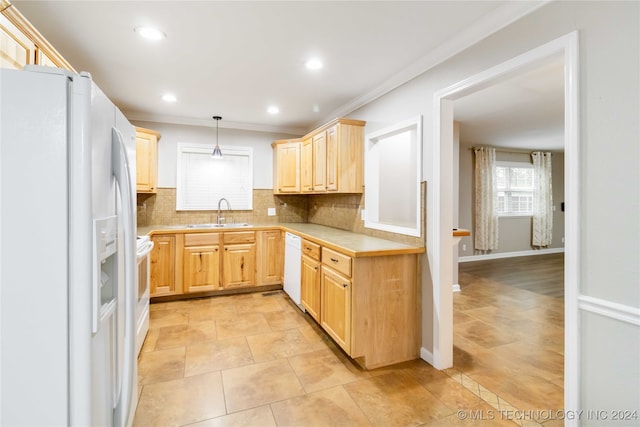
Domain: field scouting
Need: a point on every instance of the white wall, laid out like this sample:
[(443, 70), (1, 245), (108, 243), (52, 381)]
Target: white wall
[(609, 177), (172, 134)]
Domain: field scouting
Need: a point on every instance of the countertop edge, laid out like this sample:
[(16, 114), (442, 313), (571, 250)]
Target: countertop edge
[(405, 249)]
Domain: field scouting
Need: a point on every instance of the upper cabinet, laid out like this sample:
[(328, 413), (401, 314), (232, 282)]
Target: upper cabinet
[(328, 160), (146, 160), (21, 44), (286, 166)]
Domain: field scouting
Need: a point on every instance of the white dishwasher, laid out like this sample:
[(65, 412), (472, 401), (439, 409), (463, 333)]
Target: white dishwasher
[(292, 263)]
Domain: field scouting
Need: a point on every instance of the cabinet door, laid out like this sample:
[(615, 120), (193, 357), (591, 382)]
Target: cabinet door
[(332, 159), (306, 166), (16, 50), (288, 167), (146, 161), (163, 259), (239, 265), (201, 268), (319, 162), (270, 257), (310, 286), (335, 306)]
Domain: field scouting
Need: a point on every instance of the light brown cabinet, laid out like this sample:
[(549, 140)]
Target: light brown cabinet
[(163, 264), (286, 167), (330, 160), (306, 166), (22, 44), (319, 162), (335, 306), (310, 279), (201, 262), (270, 257), (239, 259), (146, 160), (369, 305)]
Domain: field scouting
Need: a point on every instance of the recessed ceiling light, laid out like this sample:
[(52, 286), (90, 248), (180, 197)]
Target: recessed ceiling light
[(314, 64), (150, 33), (315, 108), (273, 110), (169, 97)]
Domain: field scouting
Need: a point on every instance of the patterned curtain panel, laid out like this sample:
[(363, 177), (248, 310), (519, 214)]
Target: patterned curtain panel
[(486, 218), (542, 199)]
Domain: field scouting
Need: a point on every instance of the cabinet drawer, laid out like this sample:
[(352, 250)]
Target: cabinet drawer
[(199, 239), (311, 249), (337, 261), (239, 237)]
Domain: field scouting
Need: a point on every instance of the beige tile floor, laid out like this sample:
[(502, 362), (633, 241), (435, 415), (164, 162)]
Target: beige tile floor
[(256, 360)]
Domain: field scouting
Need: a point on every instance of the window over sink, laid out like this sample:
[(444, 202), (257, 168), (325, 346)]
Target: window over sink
[(203, 180)]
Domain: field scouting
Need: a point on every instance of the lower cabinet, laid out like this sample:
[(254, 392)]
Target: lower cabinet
[(369, 305), (201, 262), (310, 286), (270, 257), (335, 306), (163, 261)]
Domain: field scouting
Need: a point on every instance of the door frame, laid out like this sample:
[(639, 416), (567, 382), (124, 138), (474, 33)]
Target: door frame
[(439, 235)]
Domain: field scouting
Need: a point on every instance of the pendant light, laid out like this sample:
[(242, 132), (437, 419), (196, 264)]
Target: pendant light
[(217, 153)]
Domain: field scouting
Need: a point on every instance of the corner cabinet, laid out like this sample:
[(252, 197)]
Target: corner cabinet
[(286, 167), (328, 160), (147, 160)]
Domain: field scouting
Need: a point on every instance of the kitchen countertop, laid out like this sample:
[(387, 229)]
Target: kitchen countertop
[(352, 244)]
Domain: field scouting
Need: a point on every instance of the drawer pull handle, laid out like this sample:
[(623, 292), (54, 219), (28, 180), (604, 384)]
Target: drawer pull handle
[(334, 260)]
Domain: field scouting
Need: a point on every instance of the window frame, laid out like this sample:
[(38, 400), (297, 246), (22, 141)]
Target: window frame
[(233, 193), (514, 165)]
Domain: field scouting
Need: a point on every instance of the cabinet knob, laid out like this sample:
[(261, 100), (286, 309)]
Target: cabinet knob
[(315, 268), (344, 285)]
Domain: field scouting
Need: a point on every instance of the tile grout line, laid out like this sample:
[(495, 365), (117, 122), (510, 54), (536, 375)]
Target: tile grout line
[(501, 404)]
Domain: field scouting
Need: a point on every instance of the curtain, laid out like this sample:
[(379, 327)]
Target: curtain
[(542, 199), (486, 218)]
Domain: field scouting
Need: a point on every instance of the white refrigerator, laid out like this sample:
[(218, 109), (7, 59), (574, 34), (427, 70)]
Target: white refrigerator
[(67, 253)]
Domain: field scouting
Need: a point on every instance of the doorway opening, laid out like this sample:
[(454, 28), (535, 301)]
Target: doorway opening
[(439, 235)]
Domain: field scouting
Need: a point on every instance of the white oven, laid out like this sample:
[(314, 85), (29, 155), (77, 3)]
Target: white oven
[(142, 304)]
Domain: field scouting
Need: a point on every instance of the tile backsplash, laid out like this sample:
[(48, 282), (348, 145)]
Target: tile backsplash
[(160, 209), (333, 210)]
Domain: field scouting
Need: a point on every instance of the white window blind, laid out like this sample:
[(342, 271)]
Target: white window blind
[(202, 180), (515, 188)]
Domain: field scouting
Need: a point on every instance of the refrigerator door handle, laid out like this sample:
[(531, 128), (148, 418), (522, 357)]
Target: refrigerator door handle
[(122, 173)]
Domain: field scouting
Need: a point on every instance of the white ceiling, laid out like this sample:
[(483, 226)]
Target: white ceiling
[(236, 58)]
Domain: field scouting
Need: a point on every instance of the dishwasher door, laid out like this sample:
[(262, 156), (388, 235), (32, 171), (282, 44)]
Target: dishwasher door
[(292, 264)]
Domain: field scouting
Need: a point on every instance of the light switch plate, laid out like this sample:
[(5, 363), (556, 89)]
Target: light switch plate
[(271, 211)]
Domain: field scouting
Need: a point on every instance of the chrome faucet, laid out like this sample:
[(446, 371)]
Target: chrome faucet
[(221, 219)]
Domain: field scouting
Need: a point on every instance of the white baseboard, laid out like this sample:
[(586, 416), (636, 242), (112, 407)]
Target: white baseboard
[(456, 287), (426, 355), (510, 254)]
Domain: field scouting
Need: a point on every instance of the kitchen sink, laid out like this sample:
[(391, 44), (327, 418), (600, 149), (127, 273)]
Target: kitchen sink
[(214, 225)]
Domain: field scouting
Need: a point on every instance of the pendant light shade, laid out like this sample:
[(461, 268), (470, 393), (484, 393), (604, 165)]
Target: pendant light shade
[(217, 153)]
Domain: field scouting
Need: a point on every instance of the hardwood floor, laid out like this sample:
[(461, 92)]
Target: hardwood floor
[(509, 330)]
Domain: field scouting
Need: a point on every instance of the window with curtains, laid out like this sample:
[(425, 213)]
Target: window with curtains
[(202, 180), (514, 184)]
